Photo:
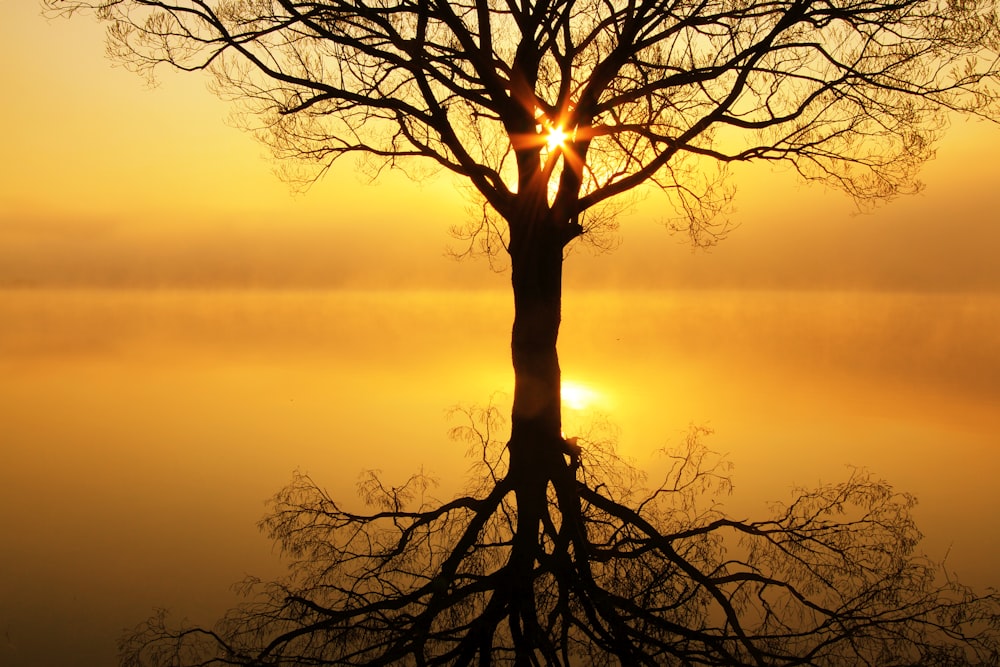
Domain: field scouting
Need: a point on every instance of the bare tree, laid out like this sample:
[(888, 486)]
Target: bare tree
[(552, 110)]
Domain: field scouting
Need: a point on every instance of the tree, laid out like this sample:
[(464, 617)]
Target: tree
[(552, 110)]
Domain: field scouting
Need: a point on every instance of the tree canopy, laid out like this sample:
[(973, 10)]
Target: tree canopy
[(851, 92)]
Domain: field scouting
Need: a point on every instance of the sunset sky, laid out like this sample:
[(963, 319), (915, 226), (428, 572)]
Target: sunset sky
[(329, 331), (107, 181)]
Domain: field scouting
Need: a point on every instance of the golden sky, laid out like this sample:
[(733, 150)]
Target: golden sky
[(125, 408), (107, 181)]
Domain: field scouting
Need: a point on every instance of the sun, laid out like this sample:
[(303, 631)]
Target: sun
[(556, 138)]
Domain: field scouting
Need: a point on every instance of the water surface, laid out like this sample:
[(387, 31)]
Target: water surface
[(141, 431)]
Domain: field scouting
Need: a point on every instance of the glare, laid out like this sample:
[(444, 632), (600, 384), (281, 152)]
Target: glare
[(556, 137), (577, 396)]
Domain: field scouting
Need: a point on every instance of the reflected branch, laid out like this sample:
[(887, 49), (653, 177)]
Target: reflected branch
[(616, 572)]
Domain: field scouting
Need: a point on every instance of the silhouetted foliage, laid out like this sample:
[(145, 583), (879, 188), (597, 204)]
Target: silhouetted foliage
[(644, 576), (552, 110)]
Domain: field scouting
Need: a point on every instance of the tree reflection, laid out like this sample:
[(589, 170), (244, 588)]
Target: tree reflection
[(621, 572)]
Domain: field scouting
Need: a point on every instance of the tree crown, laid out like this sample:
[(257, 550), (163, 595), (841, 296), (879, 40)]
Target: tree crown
[(572, 102)]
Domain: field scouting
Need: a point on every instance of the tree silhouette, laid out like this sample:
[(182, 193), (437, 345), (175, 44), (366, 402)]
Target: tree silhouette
[(551, 110)]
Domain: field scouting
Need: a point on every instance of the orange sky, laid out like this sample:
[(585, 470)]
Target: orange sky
[(106, 181), (126, 404)]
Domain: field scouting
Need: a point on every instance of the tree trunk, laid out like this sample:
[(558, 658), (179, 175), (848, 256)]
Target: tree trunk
[(536, 447), (536, 442)]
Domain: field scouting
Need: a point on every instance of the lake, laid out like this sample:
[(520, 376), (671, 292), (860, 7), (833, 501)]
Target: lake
[(142, 430)]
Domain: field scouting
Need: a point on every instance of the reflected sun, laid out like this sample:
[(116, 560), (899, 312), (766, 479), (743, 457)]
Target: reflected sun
[(577, 396)]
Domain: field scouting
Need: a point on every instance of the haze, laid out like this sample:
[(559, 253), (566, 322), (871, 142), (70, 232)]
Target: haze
[(179, 333)]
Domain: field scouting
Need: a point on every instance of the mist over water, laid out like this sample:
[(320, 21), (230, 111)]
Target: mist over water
[(141, 431)]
